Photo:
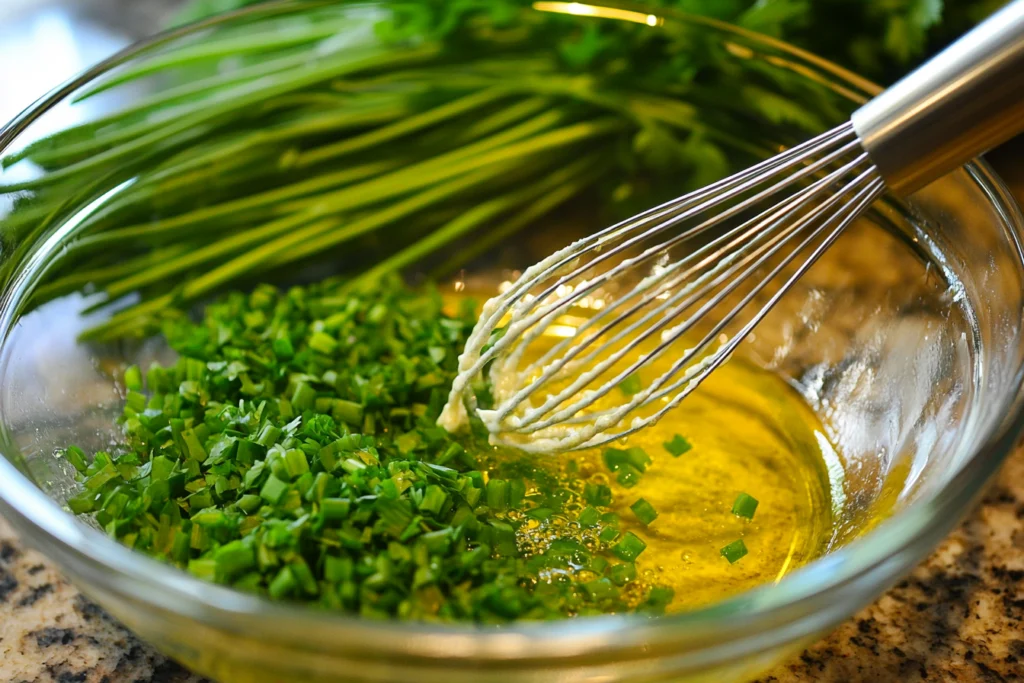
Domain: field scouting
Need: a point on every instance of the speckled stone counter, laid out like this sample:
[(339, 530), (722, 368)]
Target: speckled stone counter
[(958, 617)]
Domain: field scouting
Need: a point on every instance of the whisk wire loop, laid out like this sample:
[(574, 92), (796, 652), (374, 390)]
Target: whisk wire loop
[(670, 273)]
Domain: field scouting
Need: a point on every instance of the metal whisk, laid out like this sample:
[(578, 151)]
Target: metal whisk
[(671, 293)]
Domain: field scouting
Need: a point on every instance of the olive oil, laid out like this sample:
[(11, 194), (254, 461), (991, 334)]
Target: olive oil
[(749, 432)]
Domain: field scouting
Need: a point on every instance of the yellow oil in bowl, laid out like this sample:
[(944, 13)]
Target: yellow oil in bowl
[(749, 433)]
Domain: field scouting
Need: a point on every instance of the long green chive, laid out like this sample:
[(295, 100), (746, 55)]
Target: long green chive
[(744, 506), (734, 551), (644, 511)]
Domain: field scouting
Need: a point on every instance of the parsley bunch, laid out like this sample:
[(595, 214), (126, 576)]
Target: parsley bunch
[(291, 451)]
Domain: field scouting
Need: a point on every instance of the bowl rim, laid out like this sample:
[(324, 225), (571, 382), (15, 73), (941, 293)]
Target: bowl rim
[(891, 548)]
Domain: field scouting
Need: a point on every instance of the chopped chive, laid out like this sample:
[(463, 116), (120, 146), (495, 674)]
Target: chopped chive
[(677, 446), (621, 574), (497, 494), (744, 506), (304, 396), (644, 511), (273, 490), (734, 551), (599, 589), (335, 509), (659, 597), (249, 503), (597, 495), (433, 499), (631, 385), (283, 584), (295, 462), (628, 476), (233, 559), (589, 516), (76, 457), (323, 478), (616, 459), (133, 378), (193, 445), (323, 343), (338, 569), (629, 547), (203, 568), (540, 514), (348, 412)]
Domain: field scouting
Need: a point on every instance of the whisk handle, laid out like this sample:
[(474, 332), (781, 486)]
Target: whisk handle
[(964, 101)]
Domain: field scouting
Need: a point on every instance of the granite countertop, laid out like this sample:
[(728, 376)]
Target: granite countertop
[(957, 617)]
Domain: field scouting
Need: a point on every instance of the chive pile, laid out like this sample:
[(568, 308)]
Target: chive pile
[(291, 451)]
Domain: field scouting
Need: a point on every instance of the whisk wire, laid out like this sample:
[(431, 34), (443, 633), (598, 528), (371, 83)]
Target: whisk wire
[(693, 378), (677, 332), (518, 294), (747, 230), (774, 217)]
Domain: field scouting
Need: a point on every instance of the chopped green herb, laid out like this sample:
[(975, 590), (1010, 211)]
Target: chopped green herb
[(659, 597), (315, 472), (597, 495), (644, 511), (615, 458), (734, 551), (589, 516), (744, 506), (76, 457), (629, 548), (628, 476), (621, 574), (677, 446), (133, 378), (631, 385)]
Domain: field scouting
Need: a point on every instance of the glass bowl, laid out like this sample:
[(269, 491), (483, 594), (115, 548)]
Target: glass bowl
[(904, 337)]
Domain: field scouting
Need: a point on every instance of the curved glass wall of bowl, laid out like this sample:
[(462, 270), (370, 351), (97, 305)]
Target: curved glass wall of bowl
[(869, 335), (905, 337), (41, 46)]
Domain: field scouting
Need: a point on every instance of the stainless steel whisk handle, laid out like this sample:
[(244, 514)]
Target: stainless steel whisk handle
[(963, 102)]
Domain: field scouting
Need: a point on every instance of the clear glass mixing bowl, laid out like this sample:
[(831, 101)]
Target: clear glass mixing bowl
[(905, 337)]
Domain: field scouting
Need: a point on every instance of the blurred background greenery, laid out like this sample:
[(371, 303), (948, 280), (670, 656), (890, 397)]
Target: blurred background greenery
[(879, 39)]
